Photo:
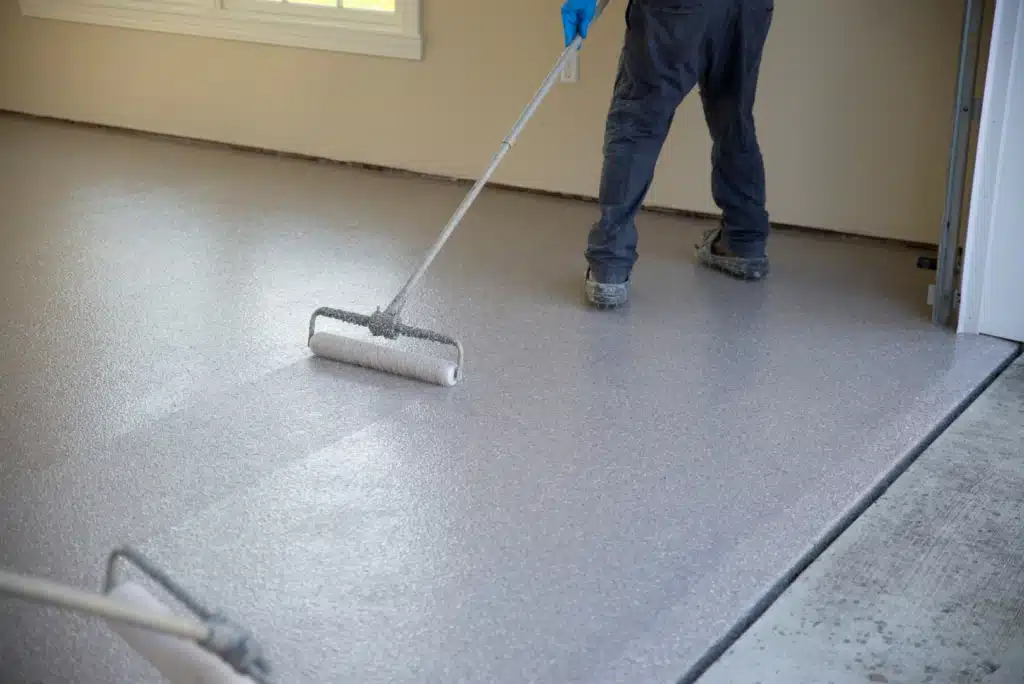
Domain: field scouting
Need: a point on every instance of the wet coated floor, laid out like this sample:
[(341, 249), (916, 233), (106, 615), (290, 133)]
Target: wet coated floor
[(599, 501)]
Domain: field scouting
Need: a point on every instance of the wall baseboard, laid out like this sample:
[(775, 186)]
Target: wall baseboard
[(377, 168)]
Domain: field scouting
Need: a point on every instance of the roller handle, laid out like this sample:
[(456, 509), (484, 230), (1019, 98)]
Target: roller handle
[(396, 305), (51, 593)]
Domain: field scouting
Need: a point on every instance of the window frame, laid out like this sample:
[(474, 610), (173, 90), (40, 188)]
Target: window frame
[(365, 32)]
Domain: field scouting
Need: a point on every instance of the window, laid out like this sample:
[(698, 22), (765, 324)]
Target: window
[(387, 28)]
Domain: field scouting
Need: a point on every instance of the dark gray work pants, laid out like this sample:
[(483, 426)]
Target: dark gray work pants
[(670, 47)]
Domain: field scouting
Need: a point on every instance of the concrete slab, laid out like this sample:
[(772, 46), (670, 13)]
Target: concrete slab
[(600, 501), (927, 586)]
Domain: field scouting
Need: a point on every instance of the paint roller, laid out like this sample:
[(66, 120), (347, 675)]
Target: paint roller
[(177, 659), (387, 324), (204, 649)]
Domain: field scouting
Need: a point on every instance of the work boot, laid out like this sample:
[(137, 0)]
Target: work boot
[(606, 295), (713, 253)]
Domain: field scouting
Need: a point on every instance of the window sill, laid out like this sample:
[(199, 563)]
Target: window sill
[(271, 28)]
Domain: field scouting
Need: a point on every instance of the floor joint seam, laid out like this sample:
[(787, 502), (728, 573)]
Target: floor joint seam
[(831, 534)]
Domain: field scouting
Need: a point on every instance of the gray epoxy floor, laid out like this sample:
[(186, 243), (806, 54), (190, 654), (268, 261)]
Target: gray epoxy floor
[(927, 586), (598, 502)]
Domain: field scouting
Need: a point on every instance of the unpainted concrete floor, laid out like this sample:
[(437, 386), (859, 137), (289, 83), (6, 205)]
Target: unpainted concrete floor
[(927, 586), (603, 497)]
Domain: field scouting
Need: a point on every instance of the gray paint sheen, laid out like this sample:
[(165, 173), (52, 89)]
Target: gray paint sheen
[(927, 585), (602, 497)]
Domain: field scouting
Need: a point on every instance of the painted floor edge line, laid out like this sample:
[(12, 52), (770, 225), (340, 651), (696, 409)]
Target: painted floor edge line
[(830, 534), (409, 173)]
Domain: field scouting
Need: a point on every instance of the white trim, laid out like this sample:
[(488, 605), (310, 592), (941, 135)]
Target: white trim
[(988, 161), (332, 15), (363, 32)]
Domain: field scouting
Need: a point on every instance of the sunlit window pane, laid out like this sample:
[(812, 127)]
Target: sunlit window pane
[(374, 5)]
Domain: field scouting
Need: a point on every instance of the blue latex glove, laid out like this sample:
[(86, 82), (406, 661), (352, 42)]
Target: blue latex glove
[(576, 18)]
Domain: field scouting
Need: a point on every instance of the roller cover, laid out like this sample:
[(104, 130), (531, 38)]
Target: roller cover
[(438, 371), (180, 661)]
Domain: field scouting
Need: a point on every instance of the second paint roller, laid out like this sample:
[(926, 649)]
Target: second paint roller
[(204, 649)]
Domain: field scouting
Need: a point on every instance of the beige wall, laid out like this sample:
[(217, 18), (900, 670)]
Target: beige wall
[(854, 105)]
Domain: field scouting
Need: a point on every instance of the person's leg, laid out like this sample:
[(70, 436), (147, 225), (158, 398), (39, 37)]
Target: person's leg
[(738, 177), (660, 63)]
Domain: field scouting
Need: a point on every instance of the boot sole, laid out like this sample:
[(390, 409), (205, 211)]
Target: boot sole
[(742, 269), (605, 297)]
